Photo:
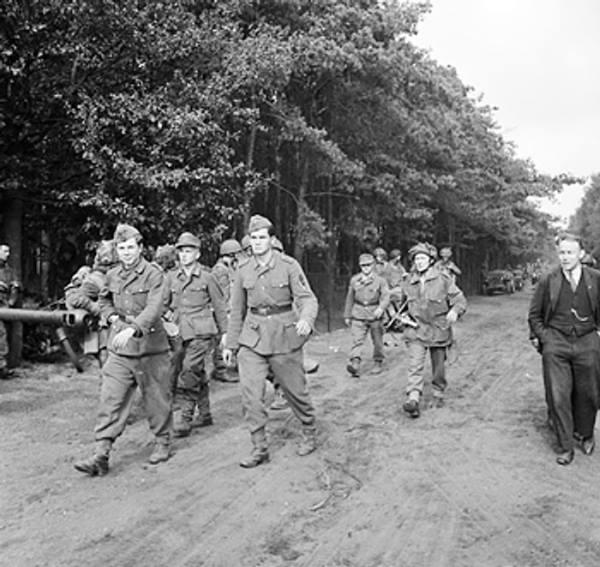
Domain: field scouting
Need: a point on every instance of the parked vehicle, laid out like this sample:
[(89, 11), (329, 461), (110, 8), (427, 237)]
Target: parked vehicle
[(498, 281)]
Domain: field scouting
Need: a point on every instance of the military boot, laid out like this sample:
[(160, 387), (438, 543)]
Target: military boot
[(182, 423), (309, 441), (411, 405), (161, 451), (260, 453), (98, 464), (353, 367)]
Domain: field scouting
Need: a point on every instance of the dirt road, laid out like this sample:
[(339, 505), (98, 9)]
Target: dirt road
[(472, 484)]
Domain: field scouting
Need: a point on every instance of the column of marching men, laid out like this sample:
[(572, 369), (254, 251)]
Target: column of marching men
[(161, 323)]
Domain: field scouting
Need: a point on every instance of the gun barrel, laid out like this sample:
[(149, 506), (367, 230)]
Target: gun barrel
[(74, 318)]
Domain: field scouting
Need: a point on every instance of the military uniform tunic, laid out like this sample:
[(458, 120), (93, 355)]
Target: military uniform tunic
[(199, 310), (9, 286), (135, 296), (266, 302), (365, 295)]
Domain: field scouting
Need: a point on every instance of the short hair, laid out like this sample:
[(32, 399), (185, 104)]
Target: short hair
[(569, 236)]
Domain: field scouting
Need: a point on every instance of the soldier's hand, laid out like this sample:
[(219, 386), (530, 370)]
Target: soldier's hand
[(122, 337), (347, 322), (451, 316), (228, 357), (303, 328), (535, 342)]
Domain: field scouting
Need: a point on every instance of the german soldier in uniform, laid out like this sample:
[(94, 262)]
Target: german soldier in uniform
[(434, 303), (267, 334), (9, 294), (132, 304), (366, 301), (564, 319), (197, 305)]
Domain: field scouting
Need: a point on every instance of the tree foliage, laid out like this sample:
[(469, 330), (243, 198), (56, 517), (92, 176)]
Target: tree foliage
[(190, 115)]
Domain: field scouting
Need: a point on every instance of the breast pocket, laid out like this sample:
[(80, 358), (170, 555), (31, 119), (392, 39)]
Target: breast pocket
[(280, 291), (139, 296)]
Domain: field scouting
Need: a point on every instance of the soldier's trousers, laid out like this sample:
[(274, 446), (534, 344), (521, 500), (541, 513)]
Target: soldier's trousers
[(359, 330), (570, 366), (288, 372), (120, 376), (3, 347), (416, 366), (219, 366), (192, 383)]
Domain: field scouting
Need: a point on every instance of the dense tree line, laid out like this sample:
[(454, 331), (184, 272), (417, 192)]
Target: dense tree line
[(193, 114), (586, 220)]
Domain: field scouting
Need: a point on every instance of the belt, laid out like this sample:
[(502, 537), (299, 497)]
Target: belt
[(271, 309), (367, 304)]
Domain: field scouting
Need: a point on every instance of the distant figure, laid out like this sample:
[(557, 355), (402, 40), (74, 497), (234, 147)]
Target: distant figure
[(9, 295), (166, 257), (564, 319), (445, 263)]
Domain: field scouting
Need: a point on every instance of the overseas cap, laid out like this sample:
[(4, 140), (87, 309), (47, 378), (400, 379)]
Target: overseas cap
[(366, 259), (276, 243), (423, 248), (124, 232), (257, 222), (187, 239)]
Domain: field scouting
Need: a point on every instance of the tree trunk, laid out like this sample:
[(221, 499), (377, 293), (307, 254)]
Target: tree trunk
[(302, 190)]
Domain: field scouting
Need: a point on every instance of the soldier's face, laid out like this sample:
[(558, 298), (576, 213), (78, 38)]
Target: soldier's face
[(422, 262), (129, 251), (569, 254), (366, 268), (4, 253), (260, 240), (188, 255)]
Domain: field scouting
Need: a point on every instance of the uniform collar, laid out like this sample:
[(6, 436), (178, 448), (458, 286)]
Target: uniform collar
[(137, 267), (195, 271)]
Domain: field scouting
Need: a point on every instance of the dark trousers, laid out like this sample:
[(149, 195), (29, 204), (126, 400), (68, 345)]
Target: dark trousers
[(192, 388), (570, 366)]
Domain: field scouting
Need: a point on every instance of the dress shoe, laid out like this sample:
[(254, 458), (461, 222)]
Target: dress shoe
[(411, 407), (565, 458), (94, 466), (257, 457), (160, 453), (588, 445)]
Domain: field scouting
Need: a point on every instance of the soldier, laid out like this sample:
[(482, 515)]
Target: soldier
[(196, 305), (267, 334), (83, 292), (224, 271), (246, 247), (445, 263), (366, 301), (382, 266), (434, 303), (9, 296), (132, 304)]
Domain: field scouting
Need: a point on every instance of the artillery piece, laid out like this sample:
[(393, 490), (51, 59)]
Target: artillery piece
[(59, 318)]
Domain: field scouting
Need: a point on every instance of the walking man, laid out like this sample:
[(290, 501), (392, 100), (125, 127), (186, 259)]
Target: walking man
[(9, 294), (132, 304), (268, 334), (195, 303), (564, 320), (366, 301), (434, 303)]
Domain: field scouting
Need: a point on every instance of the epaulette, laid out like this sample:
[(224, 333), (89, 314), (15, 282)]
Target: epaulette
[(286, 258)]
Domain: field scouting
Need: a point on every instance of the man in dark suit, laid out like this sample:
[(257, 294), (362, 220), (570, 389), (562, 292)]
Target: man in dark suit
[(564, 319)]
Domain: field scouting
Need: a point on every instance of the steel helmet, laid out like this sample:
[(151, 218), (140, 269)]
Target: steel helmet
[(380, 252), (246, 242), (229, 247), (423, 248)]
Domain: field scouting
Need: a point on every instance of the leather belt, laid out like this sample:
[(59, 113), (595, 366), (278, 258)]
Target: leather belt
[(271, 309), (367, 304)]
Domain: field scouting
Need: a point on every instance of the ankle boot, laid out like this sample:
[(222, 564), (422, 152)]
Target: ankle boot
[(161, 451), (98, 464), (309, 441), (182, 423), (259, 454)]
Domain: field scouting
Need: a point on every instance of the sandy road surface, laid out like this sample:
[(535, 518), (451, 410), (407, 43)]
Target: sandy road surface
[(472, 484)]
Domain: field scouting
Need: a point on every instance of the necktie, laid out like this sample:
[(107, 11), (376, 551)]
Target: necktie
[(572, 280)]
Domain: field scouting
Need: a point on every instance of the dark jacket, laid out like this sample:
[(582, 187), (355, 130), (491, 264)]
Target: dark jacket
[(545, 298)]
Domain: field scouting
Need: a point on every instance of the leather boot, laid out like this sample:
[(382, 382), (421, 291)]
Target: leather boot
[(98, 464), (260, 453), (182, 423), (309, 441), (161, 451), (353, 367)]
